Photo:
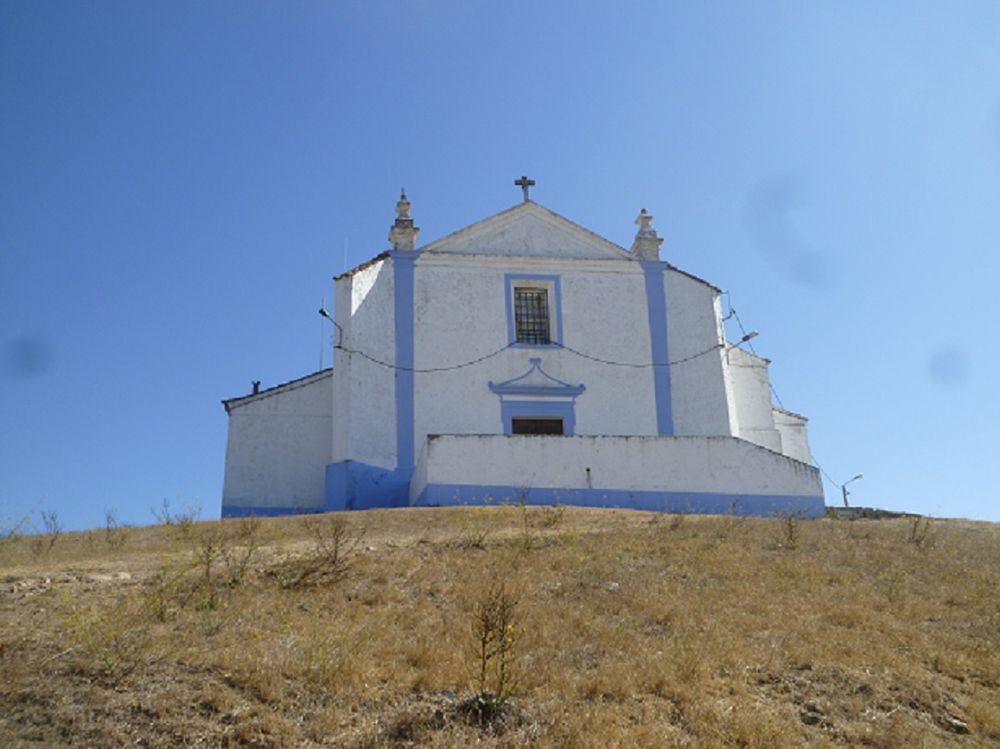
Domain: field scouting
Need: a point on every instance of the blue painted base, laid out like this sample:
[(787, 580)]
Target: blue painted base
[(351, 485), (686, 502), (242, 511)]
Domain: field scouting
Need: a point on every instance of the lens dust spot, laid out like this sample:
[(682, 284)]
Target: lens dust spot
[(773, 233), (948, 366), (28, 356)]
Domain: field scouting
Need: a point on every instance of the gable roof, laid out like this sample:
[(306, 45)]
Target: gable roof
[(309, 379), (528, 230)]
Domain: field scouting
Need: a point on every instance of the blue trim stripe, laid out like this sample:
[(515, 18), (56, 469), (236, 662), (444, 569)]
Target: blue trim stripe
[(242, 511), (656, 305), (708, 503), (403, 264), (508, 280)]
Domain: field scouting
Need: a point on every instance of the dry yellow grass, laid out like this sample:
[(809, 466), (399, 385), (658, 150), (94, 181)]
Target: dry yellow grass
[(632, 630)]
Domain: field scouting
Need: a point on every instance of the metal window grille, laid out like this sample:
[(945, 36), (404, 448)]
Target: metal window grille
[(531, 315)]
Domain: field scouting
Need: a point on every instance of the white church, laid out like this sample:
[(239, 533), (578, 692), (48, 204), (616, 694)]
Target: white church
[(523, 358)]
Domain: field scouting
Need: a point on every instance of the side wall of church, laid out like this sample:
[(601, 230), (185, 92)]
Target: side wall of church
[(277, 449), (698, 386), (365, 391), (794, 437), (752, 392)]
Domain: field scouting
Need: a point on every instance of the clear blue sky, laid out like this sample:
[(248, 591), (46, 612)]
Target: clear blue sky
[(181, 180)]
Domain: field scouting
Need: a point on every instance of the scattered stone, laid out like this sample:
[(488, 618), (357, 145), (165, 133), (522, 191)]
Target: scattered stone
[(955, 725), (811, 714)]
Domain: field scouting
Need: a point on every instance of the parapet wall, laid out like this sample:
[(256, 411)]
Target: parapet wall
[(675, 474)]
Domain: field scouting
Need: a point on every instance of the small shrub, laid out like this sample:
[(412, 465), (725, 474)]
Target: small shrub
[(208, 553), (115, 638), (334, 545), (495, 634), (42, 543), (527, 537), (476, 529), (114, 532), (10, 534), (791, 531), (181, 520), (240, 556), (224, 555), (551, 516), (920, 531)]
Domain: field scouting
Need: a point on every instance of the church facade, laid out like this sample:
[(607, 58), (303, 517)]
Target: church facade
[(523, 358)]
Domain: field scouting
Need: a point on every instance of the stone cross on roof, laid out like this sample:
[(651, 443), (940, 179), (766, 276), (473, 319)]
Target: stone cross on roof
[(524, 183)]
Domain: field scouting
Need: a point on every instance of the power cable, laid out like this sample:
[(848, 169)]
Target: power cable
[(477, 360)]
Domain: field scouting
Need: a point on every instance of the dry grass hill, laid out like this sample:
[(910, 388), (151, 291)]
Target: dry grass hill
[(503, 626)]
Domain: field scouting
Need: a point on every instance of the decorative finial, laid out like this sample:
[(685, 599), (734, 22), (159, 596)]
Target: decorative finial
[(524, 183), (403, 205), (646, 245), (403, 233)]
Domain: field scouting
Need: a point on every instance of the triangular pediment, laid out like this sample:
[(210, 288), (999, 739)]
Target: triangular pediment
[(536, 381), (528, 230)]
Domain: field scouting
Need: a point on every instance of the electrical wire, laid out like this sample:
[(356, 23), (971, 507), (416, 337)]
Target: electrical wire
[(420, 370), (598, 359), (822, 470), (733, 314), (642, 365), (609, 362)]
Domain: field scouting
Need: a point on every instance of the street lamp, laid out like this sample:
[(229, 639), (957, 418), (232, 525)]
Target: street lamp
[(340, 331), (843, 487)]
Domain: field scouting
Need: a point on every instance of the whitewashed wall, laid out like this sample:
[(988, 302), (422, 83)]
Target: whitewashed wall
[(278, 447), (698, 387), (674, 464), (366, 308), (461, 315), (752, 393), (794, 436)]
